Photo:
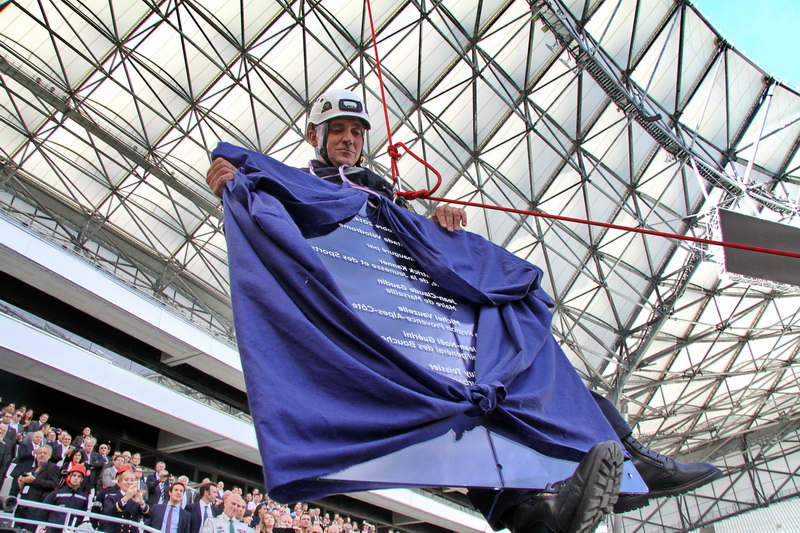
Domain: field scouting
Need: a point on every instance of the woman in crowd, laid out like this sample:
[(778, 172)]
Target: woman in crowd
[(263, 520), (268, 524), (76, 458), (127, 502), (25, 422), (81, 439)]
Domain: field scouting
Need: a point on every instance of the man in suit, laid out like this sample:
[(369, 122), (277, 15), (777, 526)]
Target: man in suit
[(62, 448), (104, 449), (189, 494), (152, 479), (16, 423), (36, 425), (35, 484), (141, 484), (96, 461), (3, 447), (204, 507), (25, 460), (169, 517), (160, 489), (108, 476), (86, 451), (10, 443), (79, 441), (3, 430)]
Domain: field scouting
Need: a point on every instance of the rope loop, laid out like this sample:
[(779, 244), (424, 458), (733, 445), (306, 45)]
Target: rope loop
[(395, 154)]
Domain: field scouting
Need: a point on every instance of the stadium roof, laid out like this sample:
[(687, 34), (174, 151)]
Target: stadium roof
[(628, 112)]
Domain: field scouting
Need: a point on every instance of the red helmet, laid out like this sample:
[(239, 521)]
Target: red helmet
[(77, 468)]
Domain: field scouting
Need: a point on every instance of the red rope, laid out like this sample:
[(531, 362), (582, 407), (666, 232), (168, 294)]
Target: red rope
[(395, 155), (422, 193), (392, 148), (621, 228)]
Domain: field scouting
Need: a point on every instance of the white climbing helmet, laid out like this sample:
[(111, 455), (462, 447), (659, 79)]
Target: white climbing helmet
[(336, 103)]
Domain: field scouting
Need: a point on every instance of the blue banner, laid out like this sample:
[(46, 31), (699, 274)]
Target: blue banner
[(380, 350), (394, 295)]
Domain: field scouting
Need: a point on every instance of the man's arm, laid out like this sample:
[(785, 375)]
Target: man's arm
[(221, 171)]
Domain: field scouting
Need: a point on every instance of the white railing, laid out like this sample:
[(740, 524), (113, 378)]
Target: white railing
[(79, 524)]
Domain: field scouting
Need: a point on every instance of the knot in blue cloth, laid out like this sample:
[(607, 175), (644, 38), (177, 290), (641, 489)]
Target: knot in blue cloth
[(485, 397)]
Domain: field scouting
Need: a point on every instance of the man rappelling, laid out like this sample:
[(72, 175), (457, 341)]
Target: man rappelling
[(337, 125)]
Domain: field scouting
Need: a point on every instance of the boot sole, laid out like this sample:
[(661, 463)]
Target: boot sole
[(601, 490), (627, 504)]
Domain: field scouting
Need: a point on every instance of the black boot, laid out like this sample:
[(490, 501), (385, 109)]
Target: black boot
[(664, 476), (577, 504)]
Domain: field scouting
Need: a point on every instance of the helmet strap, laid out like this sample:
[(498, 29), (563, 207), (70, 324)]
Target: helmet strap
[(321, 149)]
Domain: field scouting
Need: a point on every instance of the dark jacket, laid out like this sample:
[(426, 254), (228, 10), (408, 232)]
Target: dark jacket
[(25, 461), (95, 465), (359, 175), (154, 492), (65, 497), (59, 451), (11, 446), (47, 479), (77, 442), (97, 507), (196, 512), (156, 518), (112, 506)]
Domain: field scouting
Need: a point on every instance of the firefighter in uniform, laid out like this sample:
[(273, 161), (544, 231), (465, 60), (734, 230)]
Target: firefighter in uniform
[(126, 502), (69, 496)]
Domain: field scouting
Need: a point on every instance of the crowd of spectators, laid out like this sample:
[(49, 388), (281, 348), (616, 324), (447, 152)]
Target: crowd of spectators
[(46, 464)]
